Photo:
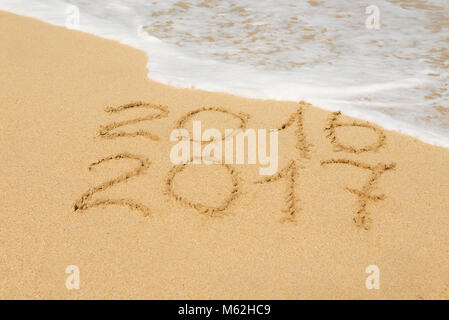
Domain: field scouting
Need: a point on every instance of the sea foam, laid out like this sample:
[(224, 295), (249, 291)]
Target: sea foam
[(322, 52)]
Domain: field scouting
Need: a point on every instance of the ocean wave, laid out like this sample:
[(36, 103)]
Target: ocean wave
[(328, 53)]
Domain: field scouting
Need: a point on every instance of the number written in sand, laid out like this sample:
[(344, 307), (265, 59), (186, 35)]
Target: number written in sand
[(362, 218), (201, 208), (290, 173), (106, 131), (333, 124), (301, 140), (243, 118), (85, 202)]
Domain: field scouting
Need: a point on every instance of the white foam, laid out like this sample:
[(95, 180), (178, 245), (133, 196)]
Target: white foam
[(396, 76)]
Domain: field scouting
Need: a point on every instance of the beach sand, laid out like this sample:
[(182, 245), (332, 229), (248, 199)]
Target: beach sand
[(301, 235)]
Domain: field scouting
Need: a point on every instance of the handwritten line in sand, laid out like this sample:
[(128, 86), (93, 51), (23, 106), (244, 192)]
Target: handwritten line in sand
[(289, 172), (298, 118), (201, 208), (85, 202), (338, 146), (243, 117), (362, 218), (105, 131)]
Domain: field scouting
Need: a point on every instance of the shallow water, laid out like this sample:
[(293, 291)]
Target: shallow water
[(322, 52)]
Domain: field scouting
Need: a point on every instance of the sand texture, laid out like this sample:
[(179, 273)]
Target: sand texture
[(86, 180)]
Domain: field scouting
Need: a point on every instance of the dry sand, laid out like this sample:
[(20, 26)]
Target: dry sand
[(54, 87)]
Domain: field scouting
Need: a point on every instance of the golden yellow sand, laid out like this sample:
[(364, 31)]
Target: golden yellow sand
[(297, 236)]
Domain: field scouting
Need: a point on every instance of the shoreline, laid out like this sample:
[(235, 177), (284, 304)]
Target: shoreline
[(245, 90), (55, 95)]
